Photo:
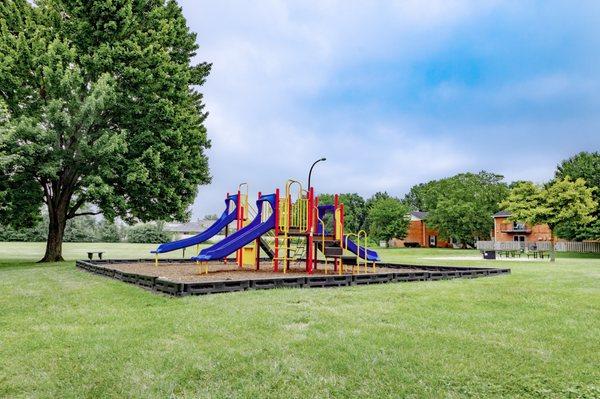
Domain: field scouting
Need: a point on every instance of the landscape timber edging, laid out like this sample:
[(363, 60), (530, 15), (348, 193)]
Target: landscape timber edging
[(173, 288)]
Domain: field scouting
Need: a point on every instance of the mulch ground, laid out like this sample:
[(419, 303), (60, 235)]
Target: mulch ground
[(219, 271)]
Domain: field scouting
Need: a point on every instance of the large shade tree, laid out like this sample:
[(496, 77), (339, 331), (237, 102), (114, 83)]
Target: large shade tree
[(98, 105), (460, 207), (585, 165), (388, 218), (558, 203)]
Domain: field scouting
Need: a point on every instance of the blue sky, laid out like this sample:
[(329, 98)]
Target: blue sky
[(394, 93)]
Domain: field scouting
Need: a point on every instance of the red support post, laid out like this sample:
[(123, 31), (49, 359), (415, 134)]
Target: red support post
[(336, 202), (276, 250), (239, 215), (315, 225), (289, 225)]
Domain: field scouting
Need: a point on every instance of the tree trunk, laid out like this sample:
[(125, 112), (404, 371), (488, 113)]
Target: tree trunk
[(56, 232), (552, 250)]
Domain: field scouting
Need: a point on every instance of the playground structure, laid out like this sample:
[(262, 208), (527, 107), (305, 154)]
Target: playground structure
[(292, 227)]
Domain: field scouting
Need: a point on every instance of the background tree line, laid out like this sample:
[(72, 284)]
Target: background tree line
[(460, 207), (382, 216), (568, 204), (89, 229)]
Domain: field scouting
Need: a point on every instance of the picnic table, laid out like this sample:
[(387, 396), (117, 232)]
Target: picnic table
[(537, 253), (512, 253)]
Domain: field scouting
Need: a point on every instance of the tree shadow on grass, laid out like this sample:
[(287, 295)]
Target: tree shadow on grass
[(28, 264)]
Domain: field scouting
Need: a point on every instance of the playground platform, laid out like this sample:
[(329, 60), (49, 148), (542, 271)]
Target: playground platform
[(182, 277)]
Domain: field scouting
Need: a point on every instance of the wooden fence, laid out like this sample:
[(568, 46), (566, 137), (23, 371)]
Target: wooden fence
[(573, 246), (560, 246)]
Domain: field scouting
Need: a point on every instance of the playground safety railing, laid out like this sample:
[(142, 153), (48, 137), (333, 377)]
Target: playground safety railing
[(364, 249), (346, 238)]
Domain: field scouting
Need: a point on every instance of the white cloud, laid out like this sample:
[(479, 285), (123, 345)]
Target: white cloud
[(270, 56)]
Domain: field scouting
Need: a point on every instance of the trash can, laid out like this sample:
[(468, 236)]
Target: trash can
[(489, 254)]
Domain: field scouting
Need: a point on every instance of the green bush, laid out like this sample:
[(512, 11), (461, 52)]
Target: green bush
[(89, 229), (148, 233), (81, 229), (37, 233), (109, 232)]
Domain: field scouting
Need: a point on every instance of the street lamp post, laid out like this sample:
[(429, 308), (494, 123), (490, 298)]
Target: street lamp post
[(311, 169)]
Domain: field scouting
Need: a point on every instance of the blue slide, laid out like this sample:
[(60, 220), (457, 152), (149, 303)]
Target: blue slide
[(351, 246), (225, 218), (242, 237)]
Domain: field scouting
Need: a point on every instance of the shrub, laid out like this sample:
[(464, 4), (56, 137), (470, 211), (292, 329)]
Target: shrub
[(109, 232), (148, 233), (81, 229), (35, 233)]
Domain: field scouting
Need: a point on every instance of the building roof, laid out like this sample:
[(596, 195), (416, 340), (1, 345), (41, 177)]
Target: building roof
[(419, 215), (502, 214), (190, 227)]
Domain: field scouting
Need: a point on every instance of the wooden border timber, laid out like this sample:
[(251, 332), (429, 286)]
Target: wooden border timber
[(173, 288)]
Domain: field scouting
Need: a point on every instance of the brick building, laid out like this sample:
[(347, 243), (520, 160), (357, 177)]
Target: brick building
[(419, 234), (506, 230)]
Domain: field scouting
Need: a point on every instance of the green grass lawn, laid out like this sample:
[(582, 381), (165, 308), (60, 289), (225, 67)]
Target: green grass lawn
[(68, 333)]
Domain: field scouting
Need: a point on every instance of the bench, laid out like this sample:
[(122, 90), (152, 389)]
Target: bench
[(91, 254)]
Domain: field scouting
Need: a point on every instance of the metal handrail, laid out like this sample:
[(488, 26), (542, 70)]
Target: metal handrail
[(348, 235), (366, 262)]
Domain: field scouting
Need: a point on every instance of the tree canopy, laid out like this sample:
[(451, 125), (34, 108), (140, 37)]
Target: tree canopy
[(354, 209), (560, 202), (388, 218), (460, 207), (98, 105), (585, 165)]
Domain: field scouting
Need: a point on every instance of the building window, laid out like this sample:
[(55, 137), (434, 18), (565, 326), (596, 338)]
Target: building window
[(518, 226), (520, 240), (432, 241)]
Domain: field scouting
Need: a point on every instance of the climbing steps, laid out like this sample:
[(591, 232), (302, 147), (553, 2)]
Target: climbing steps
[(333, 250)]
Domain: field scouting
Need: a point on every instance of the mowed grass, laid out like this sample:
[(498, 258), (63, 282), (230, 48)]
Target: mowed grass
[(68, 333)]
